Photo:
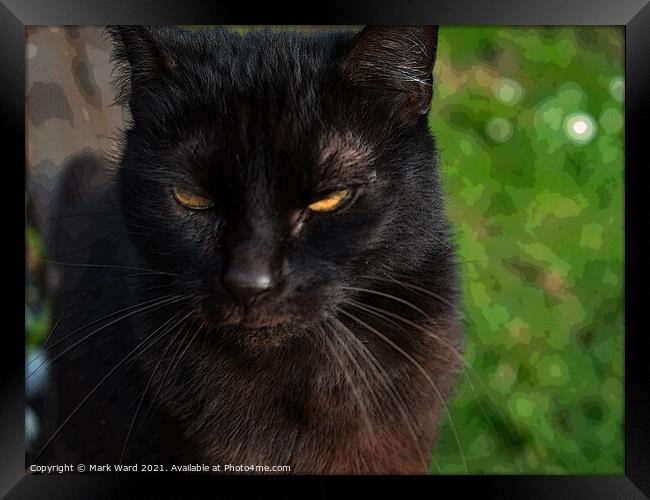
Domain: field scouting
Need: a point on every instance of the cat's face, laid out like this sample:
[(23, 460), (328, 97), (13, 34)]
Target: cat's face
[(272, 171)]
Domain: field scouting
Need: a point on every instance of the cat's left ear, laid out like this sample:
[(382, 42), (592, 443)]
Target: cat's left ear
[(398, 60), (145, 58)]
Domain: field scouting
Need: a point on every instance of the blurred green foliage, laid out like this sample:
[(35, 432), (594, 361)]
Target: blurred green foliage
[(37, 306), (529, 122)]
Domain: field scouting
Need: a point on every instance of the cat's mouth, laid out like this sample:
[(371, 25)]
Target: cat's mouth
[(296, 311), (256, 321), (263, 317), (250, 319)]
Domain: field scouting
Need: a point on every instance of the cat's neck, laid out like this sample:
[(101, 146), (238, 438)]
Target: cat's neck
[(288, 401)]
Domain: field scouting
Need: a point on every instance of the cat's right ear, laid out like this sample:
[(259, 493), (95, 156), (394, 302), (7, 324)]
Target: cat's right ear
[(144, 59), (396, 61)]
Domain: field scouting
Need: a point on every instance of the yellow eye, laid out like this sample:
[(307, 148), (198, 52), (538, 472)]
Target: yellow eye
[(192, 200), (332, 202)]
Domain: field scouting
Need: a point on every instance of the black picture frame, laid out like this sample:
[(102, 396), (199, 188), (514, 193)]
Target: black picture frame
[(633, 14)]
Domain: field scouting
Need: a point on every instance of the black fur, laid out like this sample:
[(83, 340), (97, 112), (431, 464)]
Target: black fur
[(265, 124)]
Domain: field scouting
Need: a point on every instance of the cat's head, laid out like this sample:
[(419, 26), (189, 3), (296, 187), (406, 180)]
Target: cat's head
[(271, 171)]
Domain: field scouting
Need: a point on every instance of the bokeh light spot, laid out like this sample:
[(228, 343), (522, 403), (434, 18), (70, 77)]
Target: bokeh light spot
[(499, 129), (617, 88), (580, 128), (507, 91)]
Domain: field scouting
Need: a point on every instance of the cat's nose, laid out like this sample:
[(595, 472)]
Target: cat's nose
[(254, 266), (250, 283)]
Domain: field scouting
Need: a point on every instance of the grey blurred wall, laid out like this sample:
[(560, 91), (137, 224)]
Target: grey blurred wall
[(69, 104)]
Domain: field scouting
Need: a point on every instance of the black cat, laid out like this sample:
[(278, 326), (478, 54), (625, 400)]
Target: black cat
[(292, 296)]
